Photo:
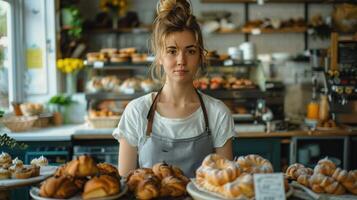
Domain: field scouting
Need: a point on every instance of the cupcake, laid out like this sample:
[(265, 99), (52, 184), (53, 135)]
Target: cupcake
[(5, 160), (41, 161), (4, 174)]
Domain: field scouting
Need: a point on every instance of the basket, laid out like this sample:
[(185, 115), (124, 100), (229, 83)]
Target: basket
[(43, 120), (18, 123), (103, 122)]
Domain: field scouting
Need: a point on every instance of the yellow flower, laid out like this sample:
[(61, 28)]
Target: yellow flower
[(69, 65)]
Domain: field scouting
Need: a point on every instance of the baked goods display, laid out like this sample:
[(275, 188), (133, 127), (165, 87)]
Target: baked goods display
[(114, 55), (84, 175), (126, 86), (221, 82), (231, 179), (15, 168), (327, 124), (162, 180), (268, 23), (29, 109), (326, 177)]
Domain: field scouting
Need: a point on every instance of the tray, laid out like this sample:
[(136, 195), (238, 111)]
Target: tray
[(198, 193), (45, 172), (34, 193), (321, 196)]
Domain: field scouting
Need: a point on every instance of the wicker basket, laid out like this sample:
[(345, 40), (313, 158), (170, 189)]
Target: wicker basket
[(103, 122), (18, 123), (43, 120)]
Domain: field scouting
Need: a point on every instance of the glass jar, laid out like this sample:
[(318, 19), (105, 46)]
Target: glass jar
[(313, 110)]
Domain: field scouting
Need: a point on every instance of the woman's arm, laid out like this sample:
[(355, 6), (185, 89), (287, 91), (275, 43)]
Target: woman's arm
[(127, 157), (226, 150)]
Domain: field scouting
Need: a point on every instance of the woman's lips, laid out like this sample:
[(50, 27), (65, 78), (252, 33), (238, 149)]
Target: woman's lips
[(181, 72)]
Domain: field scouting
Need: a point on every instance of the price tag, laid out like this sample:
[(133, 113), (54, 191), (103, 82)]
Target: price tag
[(98, 64), (269, 186), (256, 31)]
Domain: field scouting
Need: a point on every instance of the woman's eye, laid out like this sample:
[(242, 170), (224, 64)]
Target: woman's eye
[(192, 51), (172, 52)]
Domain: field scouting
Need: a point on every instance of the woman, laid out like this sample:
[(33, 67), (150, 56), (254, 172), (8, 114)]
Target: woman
[(178, 124)]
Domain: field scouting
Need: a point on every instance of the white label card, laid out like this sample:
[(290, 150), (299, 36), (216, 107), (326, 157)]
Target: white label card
[(269, 186), (98, 64)]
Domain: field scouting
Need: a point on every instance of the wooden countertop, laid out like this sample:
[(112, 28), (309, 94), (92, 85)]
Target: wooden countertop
[(82, 132)]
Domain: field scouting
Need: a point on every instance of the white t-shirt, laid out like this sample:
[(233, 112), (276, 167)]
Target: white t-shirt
[(132, 125)]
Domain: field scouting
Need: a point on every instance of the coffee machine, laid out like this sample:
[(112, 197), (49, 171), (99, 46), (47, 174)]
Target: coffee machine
[(341, 79)]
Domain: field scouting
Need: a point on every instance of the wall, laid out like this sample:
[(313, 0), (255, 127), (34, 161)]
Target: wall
[(267, 43)]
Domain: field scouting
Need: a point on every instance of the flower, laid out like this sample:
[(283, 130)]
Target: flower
[(70, 65), (117, 7)]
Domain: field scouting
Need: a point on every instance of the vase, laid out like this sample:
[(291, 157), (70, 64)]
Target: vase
[(71, 83)]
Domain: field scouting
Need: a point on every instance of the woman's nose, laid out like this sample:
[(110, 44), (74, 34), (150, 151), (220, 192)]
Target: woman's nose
[(181, 58)]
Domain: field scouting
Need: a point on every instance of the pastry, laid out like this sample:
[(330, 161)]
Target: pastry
[(5, 160), (217, 170), (255, 164), (58, 187), (162, 170), (23, 173), (4, 174), (325, 167), (101, 186), (148, 188), (82, 166), (41, 161), (172, 186), (17, 164), (108, 169), (347, 179), (136, 176)]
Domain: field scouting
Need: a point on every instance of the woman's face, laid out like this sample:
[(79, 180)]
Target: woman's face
[(180, 57)]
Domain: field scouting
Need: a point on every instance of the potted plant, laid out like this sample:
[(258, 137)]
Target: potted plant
[(59, 105)]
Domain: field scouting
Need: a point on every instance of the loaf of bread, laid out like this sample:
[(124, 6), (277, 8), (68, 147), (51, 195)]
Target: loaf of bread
[(101, 186), (58, 187)]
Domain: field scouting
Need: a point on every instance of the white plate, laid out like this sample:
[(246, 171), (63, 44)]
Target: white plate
[(45, 172), (199, 194), (34, 193)]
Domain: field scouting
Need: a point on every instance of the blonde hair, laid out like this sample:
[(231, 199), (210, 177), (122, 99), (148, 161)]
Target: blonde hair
[(174, 16)]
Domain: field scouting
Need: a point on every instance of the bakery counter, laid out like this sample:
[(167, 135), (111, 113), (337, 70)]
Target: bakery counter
[(55, 133)]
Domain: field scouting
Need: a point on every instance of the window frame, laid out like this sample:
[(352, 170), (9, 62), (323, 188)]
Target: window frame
[(16, 54)]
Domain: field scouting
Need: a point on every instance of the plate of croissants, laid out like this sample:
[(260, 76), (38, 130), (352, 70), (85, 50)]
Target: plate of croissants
[(82, 178), (219, 178)]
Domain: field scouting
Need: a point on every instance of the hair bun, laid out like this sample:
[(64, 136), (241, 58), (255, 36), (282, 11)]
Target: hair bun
[(167, 6)]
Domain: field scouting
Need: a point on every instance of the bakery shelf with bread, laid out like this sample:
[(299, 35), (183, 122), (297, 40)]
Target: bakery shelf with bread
[(162, 180), (325, 178), (82, 176)]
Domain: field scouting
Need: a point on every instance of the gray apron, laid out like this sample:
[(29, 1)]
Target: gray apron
[(186, 153)]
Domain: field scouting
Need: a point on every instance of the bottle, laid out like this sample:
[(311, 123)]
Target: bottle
[(313, 110), (324, 109)]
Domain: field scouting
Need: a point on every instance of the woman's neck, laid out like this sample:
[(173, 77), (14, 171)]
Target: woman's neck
[(178, 94)]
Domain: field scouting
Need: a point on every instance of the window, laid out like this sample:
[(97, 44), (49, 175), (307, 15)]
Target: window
[(5, 49)]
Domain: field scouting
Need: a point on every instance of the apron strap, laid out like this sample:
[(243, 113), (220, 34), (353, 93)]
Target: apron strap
[(150, 116)]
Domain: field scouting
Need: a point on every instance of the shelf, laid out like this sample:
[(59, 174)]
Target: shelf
[(278, 1), (120, 30), (257, 31), (145, 65), (221, 94)]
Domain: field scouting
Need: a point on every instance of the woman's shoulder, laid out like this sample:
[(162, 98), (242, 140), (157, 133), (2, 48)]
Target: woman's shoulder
[(214, 104), (140, 104)]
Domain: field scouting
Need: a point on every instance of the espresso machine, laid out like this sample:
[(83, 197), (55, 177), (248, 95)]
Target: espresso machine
[(341, 79)]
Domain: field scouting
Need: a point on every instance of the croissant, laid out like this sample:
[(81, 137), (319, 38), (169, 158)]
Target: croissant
[(347, 179), (172, 186), (106, 168), (58, 187), (81, 167), (148, 188), (162, 170), (136, 176), (102, 186)]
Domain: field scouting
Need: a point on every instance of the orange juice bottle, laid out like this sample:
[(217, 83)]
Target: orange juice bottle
[(313, 110)]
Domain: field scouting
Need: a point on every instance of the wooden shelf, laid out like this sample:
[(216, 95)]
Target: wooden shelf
[(257, 31), (144, 29)]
